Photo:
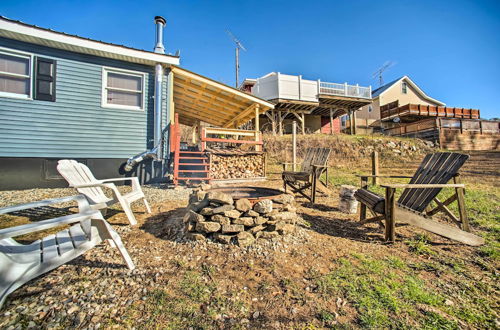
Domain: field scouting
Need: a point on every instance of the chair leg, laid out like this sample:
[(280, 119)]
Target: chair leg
[(390, 206), (362, 212), (461, 209), (128, 211), (107, 232), (147, 205), (314, 183)]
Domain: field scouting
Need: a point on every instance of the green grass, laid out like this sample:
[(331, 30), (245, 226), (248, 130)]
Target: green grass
[(387, 293)]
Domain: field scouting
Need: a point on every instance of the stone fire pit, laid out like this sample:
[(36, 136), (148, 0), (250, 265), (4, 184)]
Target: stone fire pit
[(239, 215)]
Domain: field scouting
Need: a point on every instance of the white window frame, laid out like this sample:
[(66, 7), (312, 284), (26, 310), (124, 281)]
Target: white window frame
[(404, 88), (104, 92), (16, 53)]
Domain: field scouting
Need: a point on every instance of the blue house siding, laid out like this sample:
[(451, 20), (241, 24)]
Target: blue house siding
[(76, 125)]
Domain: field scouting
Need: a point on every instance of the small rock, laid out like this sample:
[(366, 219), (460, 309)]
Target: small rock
[(192, 216), (222, 209), (207, 211), (278, 226), (244, 239), (251, 213), (232, 228), (225, 239), (220, 219), (233, 214), (196, 207), (448, 302), (256, 229), (287, 229), (246, 221), (284, 199), (243, 205), (219, 197), (284, 216), (260, 220), (208, 227), (264, 206), (256, 315)]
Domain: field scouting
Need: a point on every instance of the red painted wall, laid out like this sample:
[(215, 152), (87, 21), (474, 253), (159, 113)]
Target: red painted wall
[(325, 125)]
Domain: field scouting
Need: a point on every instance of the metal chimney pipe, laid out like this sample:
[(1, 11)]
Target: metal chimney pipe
[(160, 24), (156, 152)]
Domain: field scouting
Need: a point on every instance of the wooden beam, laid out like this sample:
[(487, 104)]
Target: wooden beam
[(242, 114), (196, 97)]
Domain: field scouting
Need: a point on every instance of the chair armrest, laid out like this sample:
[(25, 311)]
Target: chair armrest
[(83, 204), (384, 176), (120, 179), (47, 224), (423, 186)]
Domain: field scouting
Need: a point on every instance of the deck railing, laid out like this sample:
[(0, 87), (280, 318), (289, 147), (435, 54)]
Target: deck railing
[(345, 90)]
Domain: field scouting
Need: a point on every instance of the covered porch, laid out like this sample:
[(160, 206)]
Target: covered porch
[(220, 117)]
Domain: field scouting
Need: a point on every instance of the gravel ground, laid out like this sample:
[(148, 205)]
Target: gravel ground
[(154, 194)]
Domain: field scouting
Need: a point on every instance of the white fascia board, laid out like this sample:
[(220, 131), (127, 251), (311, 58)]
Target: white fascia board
[(12, 29)]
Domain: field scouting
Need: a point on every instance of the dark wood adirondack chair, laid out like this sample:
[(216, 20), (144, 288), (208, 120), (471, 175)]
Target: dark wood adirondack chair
[(313, 166), (413, 207)]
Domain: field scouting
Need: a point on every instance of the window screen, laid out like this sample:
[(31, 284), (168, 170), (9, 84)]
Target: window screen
[(124, 90), (15, 74)]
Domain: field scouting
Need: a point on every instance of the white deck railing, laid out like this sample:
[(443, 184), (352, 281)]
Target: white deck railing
[(345, 90), (282, 86)]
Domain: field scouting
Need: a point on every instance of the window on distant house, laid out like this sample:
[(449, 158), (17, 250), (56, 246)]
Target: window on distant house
[(15, 74), (404, 88), (370, 108), (123, 89)]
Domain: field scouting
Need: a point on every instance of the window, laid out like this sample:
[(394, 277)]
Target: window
[(15, 74), (404, 88), (123, 89), (370, 108)]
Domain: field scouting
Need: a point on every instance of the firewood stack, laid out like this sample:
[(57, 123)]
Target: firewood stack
[(237, 166)]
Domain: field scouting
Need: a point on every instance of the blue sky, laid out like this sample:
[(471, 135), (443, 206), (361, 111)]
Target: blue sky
[(451, 49)]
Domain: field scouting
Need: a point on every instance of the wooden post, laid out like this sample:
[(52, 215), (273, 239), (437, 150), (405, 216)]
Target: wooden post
[(353, 122), (461, 204), (362, 211), (273, 122), (294, 145), (280, 124), (390, 219), (375, 169), (331, 121), (303, 122), (257, 127)]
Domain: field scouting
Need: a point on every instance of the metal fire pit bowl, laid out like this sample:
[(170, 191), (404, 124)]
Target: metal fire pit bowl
[(253, 194)]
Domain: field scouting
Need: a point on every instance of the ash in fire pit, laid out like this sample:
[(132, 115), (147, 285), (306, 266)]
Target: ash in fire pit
[(239, 215)]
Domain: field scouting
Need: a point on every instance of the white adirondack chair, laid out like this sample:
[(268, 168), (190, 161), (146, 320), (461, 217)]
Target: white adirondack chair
[(80, 177), (21, 263)]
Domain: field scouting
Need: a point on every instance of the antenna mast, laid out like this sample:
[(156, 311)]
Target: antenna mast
[(239, 46), (380, 71)]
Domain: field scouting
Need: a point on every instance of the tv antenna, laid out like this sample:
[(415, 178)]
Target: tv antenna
[(380, 71), (239, 46)]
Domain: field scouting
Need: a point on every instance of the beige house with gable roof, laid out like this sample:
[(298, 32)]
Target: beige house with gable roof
[(403, 90)]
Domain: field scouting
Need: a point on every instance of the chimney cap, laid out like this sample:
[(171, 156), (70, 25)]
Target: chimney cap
[(160, 19)]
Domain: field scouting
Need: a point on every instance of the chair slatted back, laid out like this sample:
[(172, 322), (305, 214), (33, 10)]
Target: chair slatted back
[(315, 156), (437, 168), (77, 174)]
